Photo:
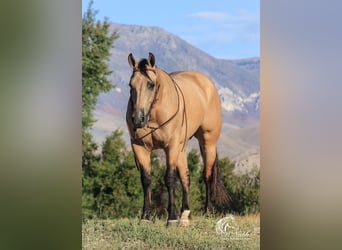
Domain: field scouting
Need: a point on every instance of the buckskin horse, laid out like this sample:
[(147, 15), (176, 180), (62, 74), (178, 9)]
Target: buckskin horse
[(164, 111)]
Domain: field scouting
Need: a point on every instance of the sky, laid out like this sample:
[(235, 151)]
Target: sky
[(228, 29)]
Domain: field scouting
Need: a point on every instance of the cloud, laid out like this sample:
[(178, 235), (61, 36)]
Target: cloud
[(210, 16), (224, 32), (239, 16), (241, 25)]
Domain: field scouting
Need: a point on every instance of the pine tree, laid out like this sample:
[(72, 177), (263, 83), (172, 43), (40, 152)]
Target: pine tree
[(96, 45), (115, 183)]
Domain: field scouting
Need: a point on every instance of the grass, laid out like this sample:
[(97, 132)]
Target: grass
[(201, 234)]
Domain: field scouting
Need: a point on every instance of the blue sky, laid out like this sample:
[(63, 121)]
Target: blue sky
[(222, 28)]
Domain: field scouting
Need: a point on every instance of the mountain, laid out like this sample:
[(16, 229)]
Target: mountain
[(237, 82)]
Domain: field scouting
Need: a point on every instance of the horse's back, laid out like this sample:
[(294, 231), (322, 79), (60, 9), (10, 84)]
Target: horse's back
[(202, 100), (197, 84)]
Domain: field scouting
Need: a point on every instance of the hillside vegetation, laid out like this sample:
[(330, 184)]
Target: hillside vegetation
[(112, 188)]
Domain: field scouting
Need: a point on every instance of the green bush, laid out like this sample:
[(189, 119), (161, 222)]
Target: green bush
[(112, 186), (243, 189)]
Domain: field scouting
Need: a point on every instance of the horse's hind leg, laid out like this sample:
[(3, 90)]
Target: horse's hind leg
[(209, 157), (214, 186), (143, 161)]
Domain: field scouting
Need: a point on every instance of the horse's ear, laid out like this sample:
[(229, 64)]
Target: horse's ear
[(151, 60), (131, 61)]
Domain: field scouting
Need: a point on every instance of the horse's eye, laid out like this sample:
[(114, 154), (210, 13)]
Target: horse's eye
[(150, 85)]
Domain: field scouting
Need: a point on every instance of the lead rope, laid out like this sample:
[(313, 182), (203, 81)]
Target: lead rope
[(184, 113)]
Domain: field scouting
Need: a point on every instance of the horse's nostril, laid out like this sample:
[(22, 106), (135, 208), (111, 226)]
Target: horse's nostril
[(141, 115), (139, 118)]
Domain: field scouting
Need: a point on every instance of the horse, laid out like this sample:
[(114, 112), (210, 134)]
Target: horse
[(163, 112)]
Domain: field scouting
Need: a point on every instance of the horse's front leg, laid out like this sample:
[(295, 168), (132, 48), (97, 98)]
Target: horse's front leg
[(170, 180), (183, 171), (143, 160), (146, 183)]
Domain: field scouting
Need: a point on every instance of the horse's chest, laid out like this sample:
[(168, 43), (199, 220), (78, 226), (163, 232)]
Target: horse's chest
[(152, 139)]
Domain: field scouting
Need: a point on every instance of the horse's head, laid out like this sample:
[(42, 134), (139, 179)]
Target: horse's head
[(143, 84)]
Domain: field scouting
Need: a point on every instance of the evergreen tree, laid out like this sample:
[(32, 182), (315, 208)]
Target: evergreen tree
[(89, 159), (116, 186), (114, 148), (243, 189), (96, 45), (193, 162)]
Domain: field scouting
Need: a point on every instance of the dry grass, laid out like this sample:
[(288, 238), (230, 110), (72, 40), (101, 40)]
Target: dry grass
[(201, 234)]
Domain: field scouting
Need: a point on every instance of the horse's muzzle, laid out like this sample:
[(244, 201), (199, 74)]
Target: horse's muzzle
[(140, 118)]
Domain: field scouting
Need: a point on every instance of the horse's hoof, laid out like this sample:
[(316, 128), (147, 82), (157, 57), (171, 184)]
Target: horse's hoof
[(144, 221), (184, 220), (185, 215), (184, 223), (172, 223)]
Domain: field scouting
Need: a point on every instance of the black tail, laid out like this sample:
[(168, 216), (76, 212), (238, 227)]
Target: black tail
[(219, 191)]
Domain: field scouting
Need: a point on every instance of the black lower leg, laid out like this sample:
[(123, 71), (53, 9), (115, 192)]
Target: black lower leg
[(208, 204), (170, 180), (185, 203), (185, 200), (146, 182)]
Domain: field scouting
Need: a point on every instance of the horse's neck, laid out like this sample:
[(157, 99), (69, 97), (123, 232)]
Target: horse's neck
[(167, 101), (168, 93)]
